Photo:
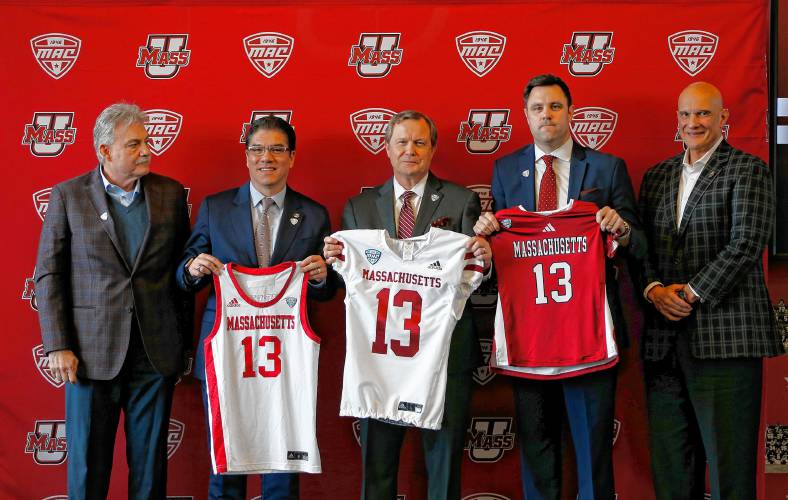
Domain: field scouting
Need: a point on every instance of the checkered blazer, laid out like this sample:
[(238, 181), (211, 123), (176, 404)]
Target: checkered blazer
[(718, 250), (88, 295)]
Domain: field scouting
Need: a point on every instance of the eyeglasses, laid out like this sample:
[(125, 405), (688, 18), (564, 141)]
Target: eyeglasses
[(276, 149)]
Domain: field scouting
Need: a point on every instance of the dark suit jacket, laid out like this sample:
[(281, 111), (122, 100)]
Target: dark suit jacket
[(88, 294), (224, 230), (718, 250), (457, 208), (593, 176)]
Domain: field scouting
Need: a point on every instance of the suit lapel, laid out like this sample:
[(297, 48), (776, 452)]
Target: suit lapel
[(674, 177), (385, 206), (577, 172), (289, 225), (153, 204), (95, 191), (429, 203), (240, 227), (709, 173), (527, 169)]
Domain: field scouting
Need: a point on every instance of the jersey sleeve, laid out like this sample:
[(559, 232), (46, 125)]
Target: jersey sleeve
[(470, 279), (341, 264)]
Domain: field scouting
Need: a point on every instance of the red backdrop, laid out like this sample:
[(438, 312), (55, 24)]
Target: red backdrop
[(337, 71)]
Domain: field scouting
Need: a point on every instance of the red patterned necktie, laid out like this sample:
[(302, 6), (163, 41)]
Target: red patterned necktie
[(548, 197), (406, 218)]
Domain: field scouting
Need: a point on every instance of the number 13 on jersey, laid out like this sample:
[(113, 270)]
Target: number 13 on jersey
[(410, 324)]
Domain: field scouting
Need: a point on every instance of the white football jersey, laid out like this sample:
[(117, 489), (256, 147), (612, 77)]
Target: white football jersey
[(403, 300), (261, 373)]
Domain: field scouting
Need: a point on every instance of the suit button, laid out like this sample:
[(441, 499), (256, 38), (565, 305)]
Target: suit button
[(676, 260), (130, 309)]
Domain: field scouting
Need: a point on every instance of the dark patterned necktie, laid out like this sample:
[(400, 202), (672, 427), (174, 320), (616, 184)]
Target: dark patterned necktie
[(548, 197), (263, 237), (407, 220)]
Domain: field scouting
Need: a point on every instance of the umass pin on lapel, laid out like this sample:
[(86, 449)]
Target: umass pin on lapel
[(295, 219), (104, 216), (526, 173), (434, 197)]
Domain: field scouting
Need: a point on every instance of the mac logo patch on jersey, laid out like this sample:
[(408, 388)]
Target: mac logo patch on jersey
[(373, 256), (291, 301)]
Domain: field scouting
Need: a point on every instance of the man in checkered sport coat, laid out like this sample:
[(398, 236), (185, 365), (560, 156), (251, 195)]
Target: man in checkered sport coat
[(708, 216)]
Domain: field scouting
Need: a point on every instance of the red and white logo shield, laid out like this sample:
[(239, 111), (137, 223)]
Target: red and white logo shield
[(484, 373), (480, 51), (164, 55), (357, 431), (163, 127), (174, 436), (268, 51), (50, 133), (693, 49), (42, 364), (593, 126), (588, 52), (369, 126), (56, 53), (284, 114), (29, 293), (485, 130), (41, 202), (47, 443), (375, 54)]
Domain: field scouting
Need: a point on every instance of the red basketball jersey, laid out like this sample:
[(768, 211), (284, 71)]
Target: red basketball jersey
[(553, 319)]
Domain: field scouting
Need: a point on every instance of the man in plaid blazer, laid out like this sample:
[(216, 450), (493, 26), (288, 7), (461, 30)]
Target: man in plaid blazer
[(708, 217), (113, 322)]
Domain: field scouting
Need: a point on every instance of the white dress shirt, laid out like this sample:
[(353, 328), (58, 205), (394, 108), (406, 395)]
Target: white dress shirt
[(561, 164), (690, 173)]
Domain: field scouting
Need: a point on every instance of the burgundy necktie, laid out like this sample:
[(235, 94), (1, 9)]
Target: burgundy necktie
[(548, 197), (406, 218)]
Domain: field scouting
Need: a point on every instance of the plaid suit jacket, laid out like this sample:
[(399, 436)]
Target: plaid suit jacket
[(718, 250), (88, 295)]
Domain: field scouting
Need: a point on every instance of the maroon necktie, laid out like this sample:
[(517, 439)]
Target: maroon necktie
[(406, 218), (548, 197)]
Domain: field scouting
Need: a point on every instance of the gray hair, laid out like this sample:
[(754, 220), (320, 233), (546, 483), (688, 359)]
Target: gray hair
[(412, 115), (112, 116)]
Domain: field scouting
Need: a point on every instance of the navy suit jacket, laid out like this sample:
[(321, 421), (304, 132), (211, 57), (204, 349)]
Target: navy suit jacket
[(224, 230), (593, 176)]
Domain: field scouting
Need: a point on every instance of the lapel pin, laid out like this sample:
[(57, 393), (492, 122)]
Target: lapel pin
[(295, 218), (526, 173), (104, 216), (434, 197)]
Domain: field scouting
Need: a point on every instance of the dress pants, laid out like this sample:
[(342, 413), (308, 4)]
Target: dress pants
[(703, 410), (589, 404), (92, 414), (274, 486)]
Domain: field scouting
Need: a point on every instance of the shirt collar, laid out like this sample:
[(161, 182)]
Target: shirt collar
[(256, 196), (111, 188), (563, 152), (418, 188), (703, 160)]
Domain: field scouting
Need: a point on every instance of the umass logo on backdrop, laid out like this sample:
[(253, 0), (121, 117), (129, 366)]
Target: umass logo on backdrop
[(369, 126), (163, 127), (29, 292), (47, 442), (489, 438), (174, 436), (485, 130), (268, 51), (49, 133), (593, 126), (693, 49), (284, 114), (164, 55), (480, 51), (42, 365), (375, 54), (56, 53), (588, 52)]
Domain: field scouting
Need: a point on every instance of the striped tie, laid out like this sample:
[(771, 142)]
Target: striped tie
[(548, 199), (406, 218)]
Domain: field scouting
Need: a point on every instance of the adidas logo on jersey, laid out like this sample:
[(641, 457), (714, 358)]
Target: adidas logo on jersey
[(406, 406), (548, 228), (234, 303), (298, 455), (435, 265)]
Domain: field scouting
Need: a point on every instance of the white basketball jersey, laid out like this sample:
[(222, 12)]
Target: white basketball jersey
[(261, 373), (403, 300)]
